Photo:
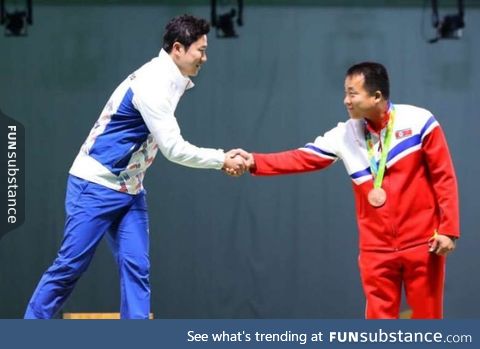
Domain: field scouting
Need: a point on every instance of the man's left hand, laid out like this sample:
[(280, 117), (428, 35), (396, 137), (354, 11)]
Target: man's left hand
[(441, 244)]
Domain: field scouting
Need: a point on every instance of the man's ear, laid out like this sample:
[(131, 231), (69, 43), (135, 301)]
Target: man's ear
[(378, 96), (177, 48)]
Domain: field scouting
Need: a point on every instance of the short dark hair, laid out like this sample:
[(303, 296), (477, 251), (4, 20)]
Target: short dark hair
[(185, 29), (376, 77)]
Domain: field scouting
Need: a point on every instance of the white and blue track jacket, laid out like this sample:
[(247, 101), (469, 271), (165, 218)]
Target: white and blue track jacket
[(138, 120)]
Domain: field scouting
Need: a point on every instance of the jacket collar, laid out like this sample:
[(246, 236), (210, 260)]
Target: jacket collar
[(181, 81)]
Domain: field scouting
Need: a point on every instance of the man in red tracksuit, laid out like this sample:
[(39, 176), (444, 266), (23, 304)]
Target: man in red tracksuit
[(405, 192)]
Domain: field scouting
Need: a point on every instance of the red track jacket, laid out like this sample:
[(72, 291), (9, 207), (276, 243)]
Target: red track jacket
[(419, 178)]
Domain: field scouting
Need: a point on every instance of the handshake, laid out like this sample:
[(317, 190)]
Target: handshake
[(237, 162)]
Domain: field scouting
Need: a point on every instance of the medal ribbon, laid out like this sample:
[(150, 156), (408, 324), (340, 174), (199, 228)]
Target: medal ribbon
[(379, 170)]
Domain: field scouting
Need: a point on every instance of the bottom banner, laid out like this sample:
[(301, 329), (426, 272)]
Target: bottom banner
[(193, 334)]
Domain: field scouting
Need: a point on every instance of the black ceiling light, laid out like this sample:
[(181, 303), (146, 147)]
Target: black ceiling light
[(451, 26), (16, 22), (225, 23)]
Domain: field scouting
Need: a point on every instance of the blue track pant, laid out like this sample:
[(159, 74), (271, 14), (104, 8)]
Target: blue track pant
[(91, 211)]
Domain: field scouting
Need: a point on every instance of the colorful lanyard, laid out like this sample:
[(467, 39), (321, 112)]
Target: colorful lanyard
[(379, 170)]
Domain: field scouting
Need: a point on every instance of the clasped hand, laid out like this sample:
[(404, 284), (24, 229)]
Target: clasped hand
[(237, 162)]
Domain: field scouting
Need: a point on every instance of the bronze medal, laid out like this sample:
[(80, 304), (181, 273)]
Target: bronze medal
[(377, 197)]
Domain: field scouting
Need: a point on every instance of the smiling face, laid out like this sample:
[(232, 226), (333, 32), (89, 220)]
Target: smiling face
[(190, 61), (359, 102)]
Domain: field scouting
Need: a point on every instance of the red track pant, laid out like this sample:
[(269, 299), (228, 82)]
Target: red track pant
[(421, 272)]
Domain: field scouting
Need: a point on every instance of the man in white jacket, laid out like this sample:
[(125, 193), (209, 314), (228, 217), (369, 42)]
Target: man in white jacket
[(105, 191)]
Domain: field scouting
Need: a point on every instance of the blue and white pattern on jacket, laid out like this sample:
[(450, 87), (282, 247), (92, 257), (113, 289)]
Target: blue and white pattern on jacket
[(121, 138)]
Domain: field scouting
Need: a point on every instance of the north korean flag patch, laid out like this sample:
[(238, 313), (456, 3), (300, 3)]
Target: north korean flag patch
[(403, 133)]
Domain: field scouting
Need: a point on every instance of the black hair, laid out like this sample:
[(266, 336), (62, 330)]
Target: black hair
[(376, 77), (185, 29)]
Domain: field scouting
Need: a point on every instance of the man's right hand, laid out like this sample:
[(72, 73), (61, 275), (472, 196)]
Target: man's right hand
[(237, 162)]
